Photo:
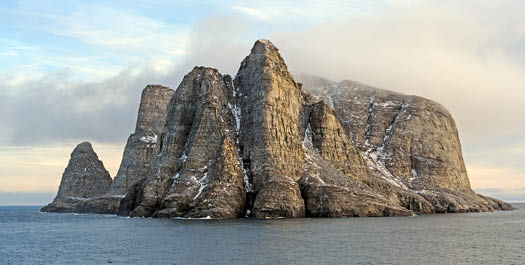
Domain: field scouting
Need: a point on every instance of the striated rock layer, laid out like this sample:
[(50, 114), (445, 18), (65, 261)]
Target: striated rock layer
[(263, 146)]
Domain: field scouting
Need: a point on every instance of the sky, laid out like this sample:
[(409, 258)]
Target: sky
[(72, 71)]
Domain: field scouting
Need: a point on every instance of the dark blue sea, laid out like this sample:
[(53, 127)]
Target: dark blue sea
[(30, 237)]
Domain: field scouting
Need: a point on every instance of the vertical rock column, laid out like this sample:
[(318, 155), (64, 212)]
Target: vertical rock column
[(139, 153), (270, 138)]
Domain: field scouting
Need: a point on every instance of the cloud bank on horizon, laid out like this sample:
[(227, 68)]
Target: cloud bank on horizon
[(75, 73)]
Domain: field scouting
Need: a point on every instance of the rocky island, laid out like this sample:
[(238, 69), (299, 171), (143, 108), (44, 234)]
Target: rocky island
[(263, 145)]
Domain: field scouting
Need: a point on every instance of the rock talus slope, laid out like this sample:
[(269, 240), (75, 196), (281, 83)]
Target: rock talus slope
[(260, 145)]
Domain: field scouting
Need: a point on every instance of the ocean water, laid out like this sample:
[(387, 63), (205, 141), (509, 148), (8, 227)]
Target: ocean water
[(30, 237)]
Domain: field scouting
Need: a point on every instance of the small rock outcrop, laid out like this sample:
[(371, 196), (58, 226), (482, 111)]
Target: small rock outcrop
[(84, 181), (263, 146)]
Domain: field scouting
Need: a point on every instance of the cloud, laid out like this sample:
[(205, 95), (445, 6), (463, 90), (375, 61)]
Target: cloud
[(45, 117), (443, 51), (452, 52), (93, 41), (265, 15), (57, 109), (313, 11), (123, 31), (213, 46)]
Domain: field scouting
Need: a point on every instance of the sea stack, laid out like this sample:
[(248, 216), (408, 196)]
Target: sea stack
[(84, 178)]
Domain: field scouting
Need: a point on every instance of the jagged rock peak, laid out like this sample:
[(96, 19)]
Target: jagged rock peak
[(265, 57), (197, 170), (271, 132), (263, 46), (83, 148), (202, 73), (265, 49), (200, 68), (410, 141), (84, 177)]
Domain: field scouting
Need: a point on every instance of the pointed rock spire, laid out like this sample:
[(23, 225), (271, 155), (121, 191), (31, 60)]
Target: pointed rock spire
[(84, 177)]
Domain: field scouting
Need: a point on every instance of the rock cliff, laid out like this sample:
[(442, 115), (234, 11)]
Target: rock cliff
[(261, 145), (410, 141)]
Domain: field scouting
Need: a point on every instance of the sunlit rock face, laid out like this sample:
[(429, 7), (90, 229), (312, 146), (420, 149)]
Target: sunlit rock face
[(271, 131), (265, 146)]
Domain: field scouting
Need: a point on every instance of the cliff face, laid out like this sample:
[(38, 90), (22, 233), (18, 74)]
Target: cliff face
[(271, 107), (409, 140), (140, 148), (263, 146), (84, 178)]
